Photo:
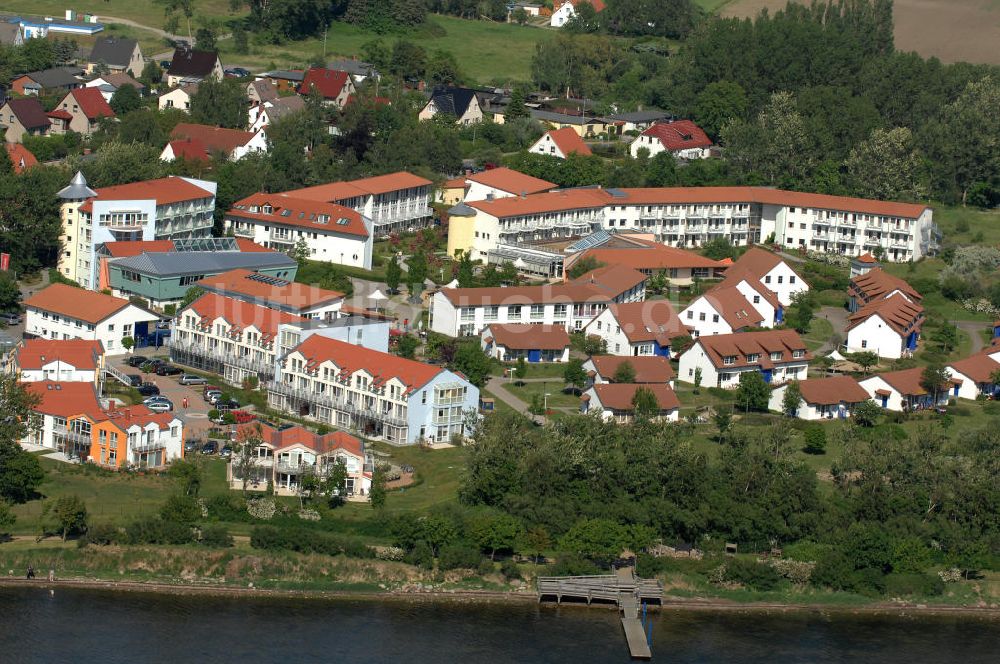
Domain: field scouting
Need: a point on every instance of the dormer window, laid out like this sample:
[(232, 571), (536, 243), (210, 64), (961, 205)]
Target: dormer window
[(268, 209), (776, 356), (753, 358), (729, 359)]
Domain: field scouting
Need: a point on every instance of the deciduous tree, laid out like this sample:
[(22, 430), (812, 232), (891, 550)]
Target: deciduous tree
[(887, 166), (753, 392)]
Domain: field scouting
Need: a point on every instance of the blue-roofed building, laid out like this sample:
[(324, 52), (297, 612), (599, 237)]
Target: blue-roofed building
[(163, 277)]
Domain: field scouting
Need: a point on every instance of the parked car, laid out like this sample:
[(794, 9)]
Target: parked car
[(136, 361), (226, 452), (191, 445), (167, 370), (134, 380), (156, 397), (213, 395), (191, 379), (10, 318), (209, 388), (226, 406), (164, 64), (148, 389), (151, 366), (211, 447), (160, 406)]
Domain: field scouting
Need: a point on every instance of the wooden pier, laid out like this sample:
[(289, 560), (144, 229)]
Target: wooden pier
[(623, 588)]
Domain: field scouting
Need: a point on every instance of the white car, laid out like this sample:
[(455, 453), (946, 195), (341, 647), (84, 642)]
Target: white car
[(160, 406)]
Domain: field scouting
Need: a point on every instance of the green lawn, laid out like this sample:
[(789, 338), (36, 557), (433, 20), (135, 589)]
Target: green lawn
[(820, 331), (712, 6), (438, 473), (554, 388), (145, 12), (963, 225)]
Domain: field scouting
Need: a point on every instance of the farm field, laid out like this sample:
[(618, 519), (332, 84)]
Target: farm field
[(951, 30)]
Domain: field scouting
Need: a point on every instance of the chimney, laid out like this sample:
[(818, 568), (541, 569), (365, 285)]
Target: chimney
[(524, 194)]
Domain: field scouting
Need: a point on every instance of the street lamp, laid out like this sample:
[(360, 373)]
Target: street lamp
[(545, 403)]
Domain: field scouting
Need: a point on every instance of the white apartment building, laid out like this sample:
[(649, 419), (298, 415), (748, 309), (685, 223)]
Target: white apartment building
[(976, 374), (902, 391), (240, 340), (65, 361), (466, 311), (690, 217), (779, 355), (378, 395), (65, 312), (164, 209), (394, 203), (333, 233), (59, 403)]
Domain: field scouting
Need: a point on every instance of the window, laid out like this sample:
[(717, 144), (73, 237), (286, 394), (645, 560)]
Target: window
[(780, 279), (864, 343), (756, 299), (701, 316), (776, 356), (729, 359), (492, 313), (537, 310), (690, 315), (791, 279), (514, 311), (560, 311), (715, 318), (767, 279), (752, 358), (798, 354)]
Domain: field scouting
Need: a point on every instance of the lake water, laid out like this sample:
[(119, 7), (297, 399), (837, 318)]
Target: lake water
[(82, 626)]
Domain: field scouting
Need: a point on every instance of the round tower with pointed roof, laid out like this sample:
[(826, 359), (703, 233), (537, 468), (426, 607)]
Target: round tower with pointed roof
[(73, 197)]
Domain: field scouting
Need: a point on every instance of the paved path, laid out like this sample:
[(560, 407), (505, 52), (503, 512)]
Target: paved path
[(974, 329), (157, 31), (838, 319)]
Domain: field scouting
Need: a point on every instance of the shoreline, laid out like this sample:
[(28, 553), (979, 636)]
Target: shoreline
[(710, 605)]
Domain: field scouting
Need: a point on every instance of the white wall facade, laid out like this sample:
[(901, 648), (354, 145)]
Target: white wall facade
[(562, 14), (809, 411), (58, 371), (729, 377), (145, 440), (109, 331), (783, 281), (546, 146), (177, 98), (704, 319), (754, 293), (655, 146), (329, 247), (875, 335)]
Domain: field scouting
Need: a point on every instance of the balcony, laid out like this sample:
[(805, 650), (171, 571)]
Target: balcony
[(335, 403), (139, 448), (243, 232)]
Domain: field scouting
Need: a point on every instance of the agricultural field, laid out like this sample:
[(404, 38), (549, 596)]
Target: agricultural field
[(950, 30)]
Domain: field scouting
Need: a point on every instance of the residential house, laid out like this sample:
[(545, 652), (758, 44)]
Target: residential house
[(534, 343), (902, 390), (681, 138), (638, 328), (689, 217), (822, 398), (260, 91), (23, 117), (779, 355), (283, 80), (378, 395), (646, 369), (679, 267), (333, 233), (358, 70), (394, 202), (889, 327), (639, 121), (65, 412), (614, 401), (66, 312), (193, 66), (563, 11), (466, 311), (334, 87), (585, 126), (179, 97), (285, 455), (268, 112), (877, 284), (134, 437), (530, 8), (560, 143), (772, 271), (501, 183), (56, 80), (166, 208), (11, 34), (117, 55), (461, 103), (863, 264), (163, 278), (109, 84), (82, 111), (20, 156), (188, 140), (977, 375), (63, 361), (724, 310), (281, 294)]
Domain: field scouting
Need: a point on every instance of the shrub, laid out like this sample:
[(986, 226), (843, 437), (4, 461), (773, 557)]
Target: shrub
[(158, 531), (898, 585), (181, 509), (752, 574), (421, 555), (305, 540), (869, 581), (485, 567), (455, 556), (510, 570), (227, 507), (102, 534), (815, 437), (833, 570), (572, 564), (216, 536)]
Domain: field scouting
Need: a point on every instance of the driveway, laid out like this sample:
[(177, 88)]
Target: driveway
[(838, 319), (974, 329)]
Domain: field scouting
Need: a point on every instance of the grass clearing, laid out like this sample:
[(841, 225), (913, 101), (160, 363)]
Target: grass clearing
[(438, 474), (557, 398), (145, 12), (820, 331)]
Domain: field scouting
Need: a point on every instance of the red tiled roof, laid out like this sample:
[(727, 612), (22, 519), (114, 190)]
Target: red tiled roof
[(285, 293), (898, 312), (866, 258), (66, 399), (679, 135), (381, 366), (138, 415), (60, 114), (758, 262), (763, 343), (327, 82), (600, 285), (906, 382), (736, 275), (20, 157), (298, 435), (648, 368), (189, 149), (618, 396), (568, 141), (76, 303), (240, 315), (380, 184), (877, 283), (649, 255), (734, 307), (137, 247), (92, 103), (213, 138), (652, 320), (290, 210), (83, 354), (511, 181), (590, 198), (978, 367), (525, 336), (598, 5), (832, 390), (164, 191)]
